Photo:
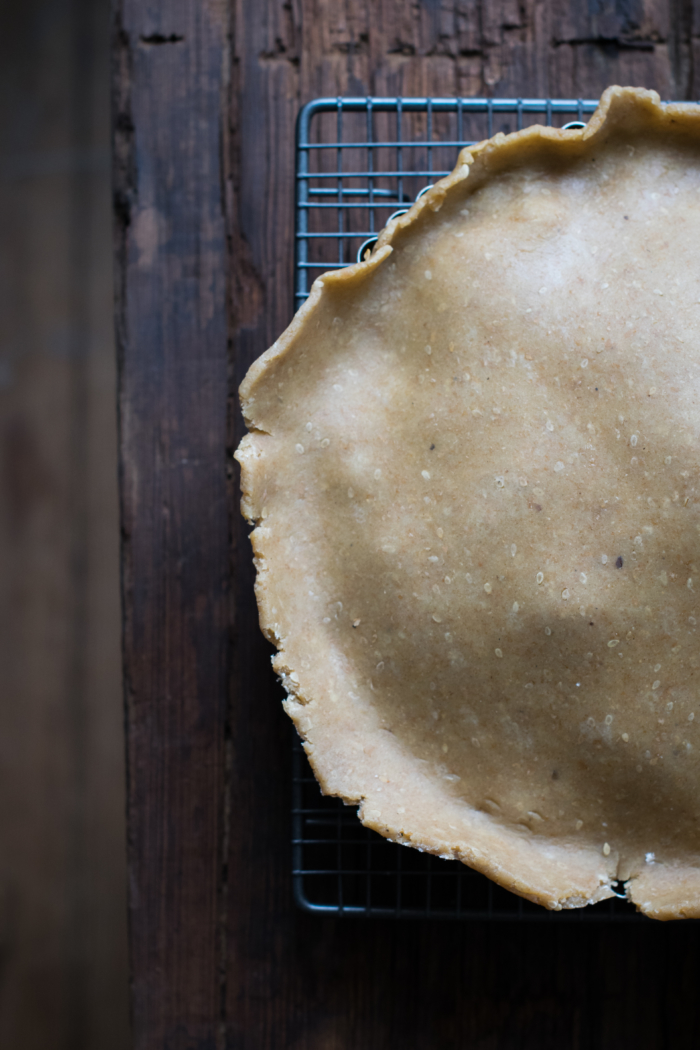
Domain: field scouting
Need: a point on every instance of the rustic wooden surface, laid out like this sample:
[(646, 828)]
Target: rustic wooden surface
[(63, 964), (209, 777), (172, 352)]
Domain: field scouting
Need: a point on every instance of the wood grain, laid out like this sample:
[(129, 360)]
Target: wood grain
[(172, 345), (291, 980)]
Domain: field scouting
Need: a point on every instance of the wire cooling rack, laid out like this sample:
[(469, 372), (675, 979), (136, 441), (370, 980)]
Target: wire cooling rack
[(341, 867), (358, 162)]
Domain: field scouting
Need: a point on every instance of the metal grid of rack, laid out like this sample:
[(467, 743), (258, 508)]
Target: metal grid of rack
[(358, 161), (361, 159), (341, 867)]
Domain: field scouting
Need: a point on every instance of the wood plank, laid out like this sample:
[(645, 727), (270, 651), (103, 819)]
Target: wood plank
[(172, 346), (308, 983), (63, 978)]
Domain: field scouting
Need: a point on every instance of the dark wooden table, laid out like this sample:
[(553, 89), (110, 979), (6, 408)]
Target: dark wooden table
[(205, 98)]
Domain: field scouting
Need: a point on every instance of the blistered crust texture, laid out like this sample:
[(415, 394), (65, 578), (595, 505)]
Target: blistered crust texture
[(473, 471)]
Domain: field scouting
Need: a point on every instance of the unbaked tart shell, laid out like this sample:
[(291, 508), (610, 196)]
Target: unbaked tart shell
[(473, 468)]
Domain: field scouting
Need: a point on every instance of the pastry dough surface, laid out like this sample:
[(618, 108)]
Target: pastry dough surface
[(473, 467)]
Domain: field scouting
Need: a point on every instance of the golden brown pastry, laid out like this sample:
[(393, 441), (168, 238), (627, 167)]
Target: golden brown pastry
[(473, 467)]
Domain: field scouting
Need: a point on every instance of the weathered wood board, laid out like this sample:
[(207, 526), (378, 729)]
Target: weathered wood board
[(220, 956), (63, 965)]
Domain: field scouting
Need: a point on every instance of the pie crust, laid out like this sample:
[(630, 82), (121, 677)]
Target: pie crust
[(473, 468)]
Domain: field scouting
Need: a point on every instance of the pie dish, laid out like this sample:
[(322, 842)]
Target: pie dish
[(472, 465)]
